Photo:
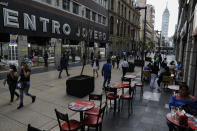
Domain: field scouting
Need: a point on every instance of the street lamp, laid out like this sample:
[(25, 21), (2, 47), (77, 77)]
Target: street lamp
[(144, 37), (159, 41)]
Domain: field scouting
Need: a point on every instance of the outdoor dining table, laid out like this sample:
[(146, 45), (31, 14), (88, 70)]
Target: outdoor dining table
[(174, 87), (191, 123), (130, 76), (81, 106)]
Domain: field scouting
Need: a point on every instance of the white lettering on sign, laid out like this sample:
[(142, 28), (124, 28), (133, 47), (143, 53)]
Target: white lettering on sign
[(66, 29), (10, 18), (44, 21), (55, 27), (95, 34), (29, 22)]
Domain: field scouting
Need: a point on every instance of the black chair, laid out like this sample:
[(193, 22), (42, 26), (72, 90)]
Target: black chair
[(68, 125), (31, 128), (94, 111), (127, 96), (95, 121), (111, 94)]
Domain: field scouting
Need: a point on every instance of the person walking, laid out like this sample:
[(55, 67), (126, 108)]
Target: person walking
[(118, 61), (95, 66), (154, 73), (113, 59), (106, 72), (63, 65), (11, 80), (46, 59), (125, 66), (25, 82)]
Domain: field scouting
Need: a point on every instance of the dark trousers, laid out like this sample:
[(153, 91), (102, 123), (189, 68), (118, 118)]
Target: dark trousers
[(124, 71), (46, 62), (13, 92), (159, 80), (62, 70), (117, 65), (106, 79)]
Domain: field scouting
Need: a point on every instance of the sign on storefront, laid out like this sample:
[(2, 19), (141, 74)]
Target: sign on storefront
[(53, 41), (195, 22), (13, 39), (16, 19)]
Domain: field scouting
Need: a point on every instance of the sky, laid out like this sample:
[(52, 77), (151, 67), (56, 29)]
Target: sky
[(160, 6)]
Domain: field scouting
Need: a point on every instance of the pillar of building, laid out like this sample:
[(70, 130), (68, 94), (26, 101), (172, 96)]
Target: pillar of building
[(192, 66), (58, 51), (22, 48)]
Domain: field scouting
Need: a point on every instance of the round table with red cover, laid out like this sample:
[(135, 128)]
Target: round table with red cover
[(81, 106), (174, 120)]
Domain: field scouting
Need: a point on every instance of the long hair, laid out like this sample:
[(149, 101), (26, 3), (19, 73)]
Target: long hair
[(25, 66)]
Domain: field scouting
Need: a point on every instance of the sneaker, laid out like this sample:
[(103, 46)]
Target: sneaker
[(20, 106), (68, 75), (33, 99), (158, 90), (60, 77)]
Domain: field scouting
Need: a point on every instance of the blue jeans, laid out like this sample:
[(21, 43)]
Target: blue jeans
[(153, 78), (106, 79), (25, 90)]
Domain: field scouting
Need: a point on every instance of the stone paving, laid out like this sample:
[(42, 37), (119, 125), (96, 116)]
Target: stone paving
[(149, 113)]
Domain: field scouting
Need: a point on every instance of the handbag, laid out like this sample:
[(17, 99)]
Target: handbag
[(19, 85)]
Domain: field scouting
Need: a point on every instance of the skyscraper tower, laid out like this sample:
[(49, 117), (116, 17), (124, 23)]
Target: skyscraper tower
[(165, 22)]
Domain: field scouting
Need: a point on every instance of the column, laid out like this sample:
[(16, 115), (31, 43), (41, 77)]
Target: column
[(22, 48), (58, 51)]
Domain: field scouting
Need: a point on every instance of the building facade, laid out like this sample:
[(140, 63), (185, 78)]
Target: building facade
[(34, 27), (123, 26), (165, 23), (150, 20), (185, 42)]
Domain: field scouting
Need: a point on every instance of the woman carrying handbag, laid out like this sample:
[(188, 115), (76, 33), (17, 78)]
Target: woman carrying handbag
[(25, 83), (11, 80)]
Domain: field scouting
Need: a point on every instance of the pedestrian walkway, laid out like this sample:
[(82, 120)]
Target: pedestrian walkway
[(149, 109)]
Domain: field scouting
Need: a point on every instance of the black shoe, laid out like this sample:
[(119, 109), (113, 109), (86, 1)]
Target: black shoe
[(33, 99), (20, 106)]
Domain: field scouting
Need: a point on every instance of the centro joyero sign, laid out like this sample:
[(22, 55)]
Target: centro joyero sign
[(31, 22)]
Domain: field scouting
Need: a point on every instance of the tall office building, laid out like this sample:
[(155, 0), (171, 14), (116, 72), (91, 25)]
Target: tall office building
[(165, 22)]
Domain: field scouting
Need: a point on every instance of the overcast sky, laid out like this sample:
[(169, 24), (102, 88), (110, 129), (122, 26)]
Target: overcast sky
[(160, 6)]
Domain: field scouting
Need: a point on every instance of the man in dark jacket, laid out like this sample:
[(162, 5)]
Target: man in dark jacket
[(46, 59), (106, 72), (63, 65)]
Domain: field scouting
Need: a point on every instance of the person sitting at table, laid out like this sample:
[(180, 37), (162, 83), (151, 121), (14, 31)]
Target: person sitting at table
[(172, 65), (147, 67), (181, 99)]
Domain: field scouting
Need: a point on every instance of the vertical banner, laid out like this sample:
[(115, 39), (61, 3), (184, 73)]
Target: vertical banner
[(13, 39), (53, 41)]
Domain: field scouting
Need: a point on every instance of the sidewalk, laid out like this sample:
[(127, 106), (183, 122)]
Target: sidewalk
[(149, 110)]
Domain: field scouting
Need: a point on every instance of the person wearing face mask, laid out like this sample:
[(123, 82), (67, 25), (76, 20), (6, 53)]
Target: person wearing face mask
[(25, 80), (11, 80)]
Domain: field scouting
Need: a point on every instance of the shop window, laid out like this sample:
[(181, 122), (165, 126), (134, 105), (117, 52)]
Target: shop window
[(104, 20), (66, 5), (75, 8), (118, 27), (119, 7), (112, 4), (93, 16), (99, 18), (112, 25), (87, 13)]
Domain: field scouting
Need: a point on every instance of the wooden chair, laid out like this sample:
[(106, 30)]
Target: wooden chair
[(31, 128), (95, 121), (68, 125), (146, 74), (166, 80), (94, 111)]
